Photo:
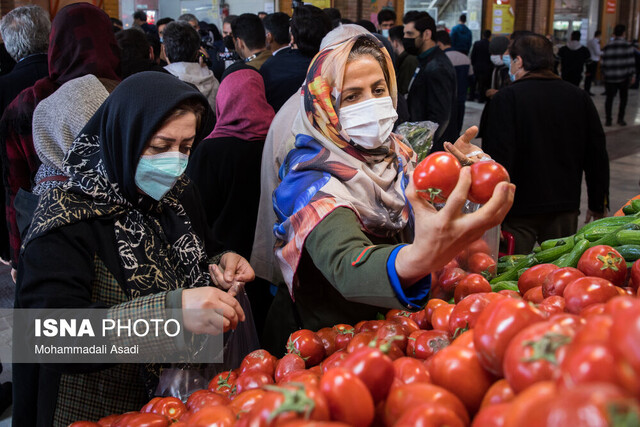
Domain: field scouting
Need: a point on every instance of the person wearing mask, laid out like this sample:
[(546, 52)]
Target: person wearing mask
[(140, 21), (68, 58), (182, 48), (276, 29), (540, 122), (482, 67), (573, 58), (461, 36), (142, 246), (405, 64), (249, 40), (619, 69), (136, 54), (386, 20), (499, 76), (225, 168), (432, 92), (284, 73), (346, 196), (464, 72), (162, 23), (592, 66)]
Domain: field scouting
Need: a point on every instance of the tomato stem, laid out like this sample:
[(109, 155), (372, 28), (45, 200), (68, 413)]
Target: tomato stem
[(545, 348), (294, 401)]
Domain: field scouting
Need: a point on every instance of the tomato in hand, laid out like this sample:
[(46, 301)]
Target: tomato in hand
[(307, 345), (557, 280), (534, 277), (585, 291), (604, 261), (436, 176), (348, 397), (485, 175), (471, 284)]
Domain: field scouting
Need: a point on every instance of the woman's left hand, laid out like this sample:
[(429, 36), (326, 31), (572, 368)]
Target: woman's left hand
[(464, 150), (232, 272)]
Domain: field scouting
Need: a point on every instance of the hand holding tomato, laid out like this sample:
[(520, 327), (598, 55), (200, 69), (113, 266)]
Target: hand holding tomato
[(441, 235), (464, 150)]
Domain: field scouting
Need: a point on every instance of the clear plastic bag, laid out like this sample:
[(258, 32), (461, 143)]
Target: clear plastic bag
[(419, 135), (181, 380)]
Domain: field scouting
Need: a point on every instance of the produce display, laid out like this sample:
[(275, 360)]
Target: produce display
[(550, 338)]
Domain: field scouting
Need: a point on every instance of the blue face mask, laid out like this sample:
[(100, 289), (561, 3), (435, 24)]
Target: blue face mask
[(385, 33), (157, 174), (507, 62)]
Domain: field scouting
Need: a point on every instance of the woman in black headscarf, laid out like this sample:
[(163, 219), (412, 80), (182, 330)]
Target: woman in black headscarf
[(126, 231)]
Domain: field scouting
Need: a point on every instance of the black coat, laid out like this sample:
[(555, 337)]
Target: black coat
[(546, 132), (24, 75), (432, 96), (481, 58), (283, 75)]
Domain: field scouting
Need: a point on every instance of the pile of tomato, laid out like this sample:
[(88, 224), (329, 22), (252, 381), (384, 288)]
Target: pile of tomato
[(566, 354)]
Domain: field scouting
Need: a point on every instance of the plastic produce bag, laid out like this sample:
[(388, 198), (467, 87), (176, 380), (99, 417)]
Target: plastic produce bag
[(419, 135), (181, 380)]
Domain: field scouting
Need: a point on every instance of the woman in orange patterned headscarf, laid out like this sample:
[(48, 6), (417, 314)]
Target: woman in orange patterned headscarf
[(345, 202)]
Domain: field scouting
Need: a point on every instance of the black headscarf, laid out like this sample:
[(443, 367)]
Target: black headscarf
[(101, 166)]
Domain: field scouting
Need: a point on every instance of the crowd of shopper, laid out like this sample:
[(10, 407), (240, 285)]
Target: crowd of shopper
[(163, 165)]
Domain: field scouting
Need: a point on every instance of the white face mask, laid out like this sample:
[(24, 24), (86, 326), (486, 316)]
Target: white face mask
[(369, 123), (497, 60)]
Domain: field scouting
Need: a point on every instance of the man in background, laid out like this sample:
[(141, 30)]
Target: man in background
[(405, 64), (386, 20), (592, 66), (249, 40), (482, 67), (140, 21), (276, 28), (573, 58), (461, 36), (619, 69)]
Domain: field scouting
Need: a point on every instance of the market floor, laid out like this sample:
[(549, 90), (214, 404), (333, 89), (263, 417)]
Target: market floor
[(623, 144)]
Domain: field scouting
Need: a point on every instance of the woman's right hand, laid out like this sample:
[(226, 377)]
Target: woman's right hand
[(441, 235), (199, 317)]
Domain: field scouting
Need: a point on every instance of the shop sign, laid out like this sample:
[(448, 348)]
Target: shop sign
[(611, 6)]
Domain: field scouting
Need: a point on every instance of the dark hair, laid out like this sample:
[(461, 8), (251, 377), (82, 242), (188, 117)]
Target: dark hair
[(619, 30), (163, 21), (422, 21), (597, 33), (575, 35), (412, 16), (346, 21), (486, 34), (463, 18), (443, 37), (188, 17), (189, 105), (262, 12), (248, 28), (364, 46), (181, 42), (133, 45), (332, 13), (141, 15), (519, 33), (366, 24), (386, 15), (230, 19), (396, 33), (278, 25), (309, 25), (154, 42), (535, 50)]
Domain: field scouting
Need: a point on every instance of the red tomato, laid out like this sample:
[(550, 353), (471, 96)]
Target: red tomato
[(224, 383), (424, 344), (482, 263), (464, 340), (307, 345), (450, 278), (533, 354), (368, 326), (334, 361), (421, 318), (149, 406), (252, 380), (499, 392), (287, 402), (493, 415), (496, 327), (137, 419), (388, 347), (534, 295), (451, 364), (436, 176), (393, 332), (596, 330), (525, 408), (432, 305), (289, 363), (485, 176), (348, 397), (344, 333), (305, 377), (407, 323), (625, 343), (557, 280), (479, 245), (409, 370), (198, 400), (604, 261), (243, 402), (441, 316), (588, 290), (214, 416), (406, 397), (361, 339), (328, 337), (429, 415), (619, 304), (259, 361), (170, 407), (587, 363), (375, 370), (635, 275), (552, 305), (471, 284), (108, 420), (510, 294), (465, 314), (84, 424), (592, 310), (534, 277)]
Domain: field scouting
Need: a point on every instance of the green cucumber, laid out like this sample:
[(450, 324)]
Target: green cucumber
[(628, 210), (554, 253), (636, 205), (537, 249), (512, 273), (574, 256), (562, 260), (628, 237), (552, 243), (630, 253), (609, 221), (510, 285), (511, 258), (599, 232), (612, 238)]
